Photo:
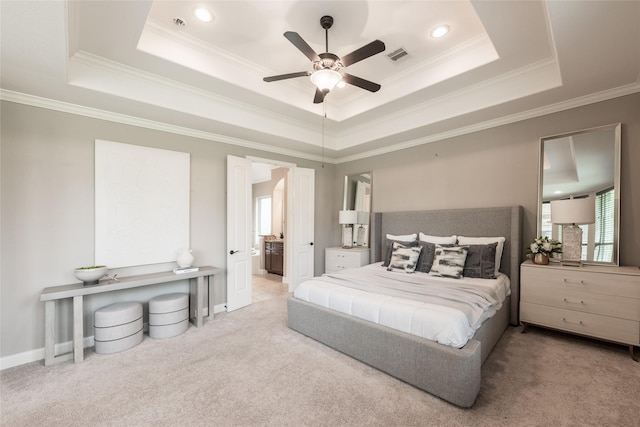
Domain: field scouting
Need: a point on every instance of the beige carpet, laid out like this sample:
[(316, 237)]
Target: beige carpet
[(246, 368)]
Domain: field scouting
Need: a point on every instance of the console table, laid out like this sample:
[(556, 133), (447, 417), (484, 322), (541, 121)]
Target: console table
[(77, 291)]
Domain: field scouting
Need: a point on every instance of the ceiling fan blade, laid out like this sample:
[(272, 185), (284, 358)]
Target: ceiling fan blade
[(360, 82), (364, 52), (319, 97), (287, 76), (302, 45)]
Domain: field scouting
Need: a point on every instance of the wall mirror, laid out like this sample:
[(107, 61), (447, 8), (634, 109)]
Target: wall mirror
[(583, 164), (357, 197)]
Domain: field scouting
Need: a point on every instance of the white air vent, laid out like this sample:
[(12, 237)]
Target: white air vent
[(397, 54)]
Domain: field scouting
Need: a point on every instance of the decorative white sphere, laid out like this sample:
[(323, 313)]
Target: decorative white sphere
[(185, 258)]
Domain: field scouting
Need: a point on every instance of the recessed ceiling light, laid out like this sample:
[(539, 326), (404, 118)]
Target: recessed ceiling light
[(557, 192), (439, 31), (203, 14)]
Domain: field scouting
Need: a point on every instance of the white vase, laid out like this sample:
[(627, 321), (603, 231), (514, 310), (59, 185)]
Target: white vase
[(185, 258)]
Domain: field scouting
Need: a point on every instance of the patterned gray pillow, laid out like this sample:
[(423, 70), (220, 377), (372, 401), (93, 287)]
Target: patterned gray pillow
[(389, 249), (404, 257), (481, 261), (449, 261), (426, 256)]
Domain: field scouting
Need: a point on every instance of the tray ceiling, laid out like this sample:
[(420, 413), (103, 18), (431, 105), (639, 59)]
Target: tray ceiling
[(501, 61)]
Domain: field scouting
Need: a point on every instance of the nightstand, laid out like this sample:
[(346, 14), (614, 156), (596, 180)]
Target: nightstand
[(337, 259), (595, 301)]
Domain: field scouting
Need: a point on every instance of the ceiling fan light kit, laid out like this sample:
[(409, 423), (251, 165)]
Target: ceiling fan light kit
[(327, 66), (325, 79)]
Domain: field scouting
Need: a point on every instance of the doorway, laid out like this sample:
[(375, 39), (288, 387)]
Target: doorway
[(298, 234), (269, 184)]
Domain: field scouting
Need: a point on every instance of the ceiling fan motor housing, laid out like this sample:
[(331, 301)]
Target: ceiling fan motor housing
[(326, 22), (327, 61)]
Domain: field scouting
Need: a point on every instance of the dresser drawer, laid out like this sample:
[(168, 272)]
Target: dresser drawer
[(546, 293), (593, 325), (337, 259), (348, 259), (580, 279)]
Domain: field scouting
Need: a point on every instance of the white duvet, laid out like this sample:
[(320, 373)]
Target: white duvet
[(448, 311)]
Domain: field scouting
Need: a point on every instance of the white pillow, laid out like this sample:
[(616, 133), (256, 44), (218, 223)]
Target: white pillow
[(438, 240), (462, 240), (403, 238)]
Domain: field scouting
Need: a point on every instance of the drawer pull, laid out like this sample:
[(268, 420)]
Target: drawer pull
[(577, 323), (578, 282), (572, 302)]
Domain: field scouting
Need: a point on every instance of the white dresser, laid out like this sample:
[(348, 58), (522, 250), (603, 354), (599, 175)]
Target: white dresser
[(596, 301), (336, 259)]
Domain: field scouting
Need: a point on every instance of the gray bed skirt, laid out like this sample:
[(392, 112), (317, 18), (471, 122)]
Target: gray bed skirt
[(450, 373)]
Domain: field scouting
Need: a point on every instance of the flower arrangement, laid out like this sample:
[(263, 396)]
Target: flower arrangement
[(544, 245)]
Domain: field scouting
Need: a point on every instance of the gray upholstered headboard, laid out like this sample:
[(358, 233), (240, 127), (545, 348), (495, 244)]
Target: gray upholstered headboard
[(479, 222)]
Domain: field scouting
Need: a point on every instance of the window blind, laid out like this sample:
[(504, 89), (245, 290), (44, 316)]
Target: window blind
[(605, 225)]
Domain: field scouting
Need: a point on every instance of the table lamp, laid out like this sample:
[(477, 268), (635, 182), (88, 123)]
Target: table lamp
[(570, 213), (347, 218)]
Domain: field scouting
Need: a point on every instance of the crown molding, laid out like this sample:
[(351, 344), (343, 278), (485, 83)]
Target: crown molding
[(505, 120), (65, 107), (519, 83), (100, 74)]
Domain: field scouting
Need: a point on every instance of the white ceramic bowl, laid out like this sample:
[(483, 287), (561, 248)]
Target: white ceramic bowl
[(90, 274)]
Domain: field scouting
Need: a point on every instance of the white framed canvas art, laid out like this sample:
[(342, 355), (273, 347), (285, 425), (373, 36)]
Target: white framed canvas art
[(141, 204)]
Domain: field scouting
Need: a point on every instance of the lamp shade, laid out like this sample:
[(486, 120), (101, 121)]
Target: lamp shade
[(348, 217), (325, 79), (573, 211), (363, 217)]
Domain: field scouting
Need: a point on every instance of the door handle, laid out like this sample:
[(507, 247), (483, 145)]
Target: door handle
[(311, 243), (232, 252)]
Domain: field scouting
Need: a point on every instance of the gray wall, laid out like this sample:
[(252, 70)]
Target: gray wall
[(499, 167), (47, 212), (47, 194)]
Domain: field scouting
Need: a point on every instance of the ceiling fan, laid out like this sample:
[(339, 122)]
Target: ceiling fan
[(327, 66)]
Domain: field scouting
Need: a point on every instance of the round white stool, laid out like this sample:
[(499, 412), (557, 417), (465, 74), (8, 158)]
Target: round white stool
[(118, 327), (168, 315)]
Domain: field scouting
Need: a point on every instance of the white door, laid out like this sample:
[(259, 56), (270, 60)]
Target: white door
[(239, 215), (302, 255)]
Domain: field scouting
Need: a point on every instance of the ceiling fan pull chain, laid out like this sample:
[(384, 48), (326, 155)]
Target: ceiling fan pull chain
[(324, 118)]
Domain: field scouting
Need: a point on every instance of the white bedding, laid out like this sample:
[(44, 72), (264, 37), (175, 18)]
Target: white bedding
[(448, 311)]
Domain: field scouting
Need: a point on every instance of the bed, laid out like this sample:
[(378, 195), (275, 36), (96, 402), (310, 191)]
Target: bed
[(453, 374)]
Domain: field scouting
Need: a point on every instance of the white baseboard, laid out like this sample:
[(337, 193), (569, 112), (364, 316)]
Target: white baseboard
[(219, 308), (38, 354), (30, 356)]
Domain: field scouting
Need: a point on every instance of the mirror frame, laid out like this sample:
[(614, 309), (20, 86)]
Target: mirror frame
[(617, 127), (345, 193)]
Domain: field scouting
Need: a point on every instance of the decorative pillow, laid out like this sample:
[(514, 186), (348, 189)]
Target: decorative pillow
[(449, 261), (462, 240), (481, 261), (426, 256), (404, 257), (407, 240), (440, 240)]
